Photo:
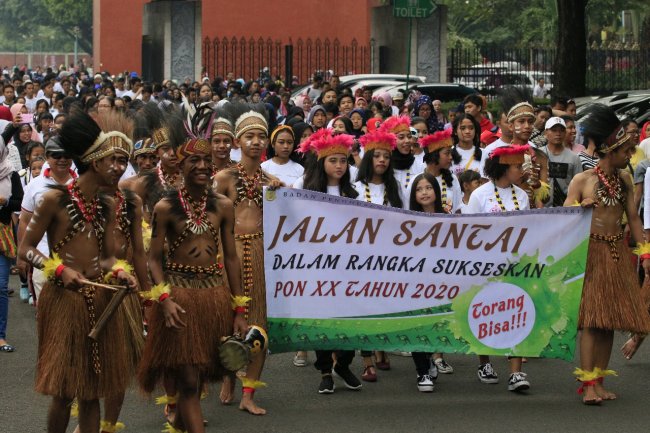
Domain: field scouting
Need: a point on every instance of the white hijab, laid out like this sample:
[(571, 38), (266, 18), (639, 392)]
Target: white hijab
[(5, 170)]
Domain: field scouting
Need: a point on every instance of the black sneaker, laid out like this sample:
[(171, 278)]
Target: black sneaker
[(518, 382), (350, 380), (486, 374), (326, 385), (425, 383)]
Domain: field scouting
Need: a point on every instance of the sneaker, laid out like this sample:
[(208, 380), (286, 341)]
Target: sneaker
[(486, 374), (326, 385), (518, 382), (425, 383), (350, 380), (443, 367), (433, 370), (24, 294), (300, 360), (31, 300)]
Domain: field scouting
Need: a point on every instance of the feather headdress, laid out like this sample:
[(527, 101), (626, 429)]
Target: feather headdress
[(332, 145), (378, 140), (396, 124), (509, 155), (436, 141)]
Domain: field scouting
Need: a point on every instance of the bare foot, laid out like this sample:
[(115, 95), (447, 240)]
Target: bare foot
[(632, 345), (170, 414), (589, 396), (227, 390), (249, 405), (603, 393)]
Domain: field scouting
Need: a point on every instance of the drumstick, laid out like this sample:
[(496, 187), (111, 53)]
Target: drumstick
[(103, 286)]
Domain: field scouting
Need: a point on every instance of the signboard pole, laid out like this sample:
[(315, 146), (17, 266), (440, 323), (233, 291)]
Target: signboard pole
[(408, 56)]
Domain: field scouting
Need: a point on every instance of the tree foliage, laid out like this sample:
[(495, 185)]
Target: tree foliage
[(24, 20)]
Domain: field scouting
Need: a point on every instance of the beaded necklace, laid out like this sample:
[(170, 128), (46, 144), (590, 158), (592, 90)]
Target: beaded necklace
[(610, 188), (369, 198), (166, 179), (121, 217), (498, 197), (91, 212), (443, 196), (195, 212), (249, 187)]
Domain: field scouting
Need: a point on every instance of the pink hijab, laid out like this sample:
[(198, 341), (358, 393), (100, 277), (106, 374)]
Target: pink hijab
[(15, 109)]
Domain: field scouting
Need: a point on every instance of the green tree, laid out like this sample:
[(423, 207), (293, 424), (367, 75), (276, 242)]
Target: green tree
[(24, 20)]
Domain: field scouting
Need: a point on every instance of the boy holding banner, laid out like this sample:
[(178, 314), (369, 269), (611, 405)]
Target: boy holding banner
[(611, 297)]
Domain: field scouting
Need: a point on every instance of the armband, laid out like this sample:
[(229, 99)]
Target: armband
[(158, 293), (120, 265), (53, 267), (239, 303)]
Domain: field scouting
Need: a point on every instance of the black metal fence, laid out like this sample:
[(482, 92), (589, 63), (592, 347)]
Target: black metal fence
[(246, 58), (610, 68)]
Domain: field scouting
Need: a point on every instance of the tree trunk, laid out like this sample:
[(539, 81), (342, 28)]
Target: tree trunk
[(571, 56)]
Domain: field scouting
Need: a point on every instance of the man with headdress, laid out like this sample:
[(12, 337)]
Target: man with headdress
[(152, 184), (192, 306), (76, 218), (243, 185), (145, 158), (521, 118), (611, 297)]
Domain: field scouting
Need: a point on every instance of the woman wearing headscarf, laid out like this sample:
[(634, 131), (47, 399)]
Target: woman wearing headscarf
[(423, 107), (317, 117), (11, 195), (304, 102), (18, 135)]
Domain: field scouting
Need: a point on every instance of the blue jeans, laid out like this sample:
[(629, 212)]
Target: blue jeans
[(5, 267)]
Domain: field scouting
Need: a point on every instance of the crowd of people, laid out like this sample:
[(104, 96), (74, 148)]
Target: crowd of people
[(153, 191)]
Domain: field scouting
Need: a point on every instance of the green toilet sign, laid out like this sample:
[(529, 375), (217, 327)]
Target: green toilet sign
[(413, 8)]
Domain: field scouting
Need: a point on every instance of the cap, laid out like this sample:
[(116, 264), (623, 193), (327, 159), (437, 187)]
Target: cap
[(53, 145), (414, 132), (399, 96), (554, 121)]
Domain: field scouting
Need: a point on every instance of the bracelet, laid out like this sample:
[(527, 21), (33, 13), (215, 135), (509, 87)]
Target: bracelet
[(239, 302), (59, 270), (120, 265), (51, 266), (157, 292), (645, 256), (642, 249), (240, 310)]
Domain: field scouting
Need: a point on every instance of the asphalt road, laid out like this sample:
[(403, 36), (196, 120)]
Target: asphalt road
[(459, 404)]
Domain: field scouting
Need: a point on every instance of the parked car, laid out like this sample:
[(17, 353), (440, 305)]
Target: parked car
[(445, 92), (348, 81), (526, 79)]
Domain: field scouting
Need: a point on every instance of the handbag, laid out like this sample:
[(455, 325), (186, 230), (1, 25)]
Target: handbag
[(7, 242)]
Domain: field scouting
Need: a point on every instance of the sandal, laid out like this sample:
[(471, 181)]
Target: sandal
[(7, 348), (369, 375)]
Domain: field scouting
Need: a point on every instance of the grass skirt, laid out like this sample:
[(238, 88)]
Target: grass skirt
[(208, 317), (611, 296), (134, 329), (65, 363), (255, 262)]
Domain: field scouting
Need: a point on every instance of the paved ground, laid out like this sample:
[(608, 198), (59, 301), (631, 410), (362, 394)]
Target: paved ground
[(393, 404)]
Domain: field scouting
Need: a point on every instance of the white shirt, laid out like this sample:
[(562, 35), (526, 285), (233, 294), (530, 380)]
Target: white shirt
[(467, 161), (539, 91), (288, 173), (376, 191), (483, 199), (33, 197), (419, 159), (486, 154), (405, 179), (129, 172), (451, 196), (645, 146), (31, 104), (646, 200)]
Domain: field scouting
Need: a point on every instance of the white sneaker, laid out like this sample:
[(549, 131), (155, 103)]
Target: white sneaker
[(425, 383), (486, 374), (518, 382), (443, 367), (299, 360)]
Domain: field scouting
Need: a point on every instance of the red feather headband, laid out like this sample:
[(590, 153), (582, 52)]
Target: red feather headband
[(396, 124), (378, 140), (509, 155), (436, 141), (306, 146), (332, 145)]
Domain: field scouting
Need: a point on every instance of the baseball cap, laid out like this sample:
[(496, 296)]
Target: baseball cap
[(53, 145), (554, 121), (399, 96)]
